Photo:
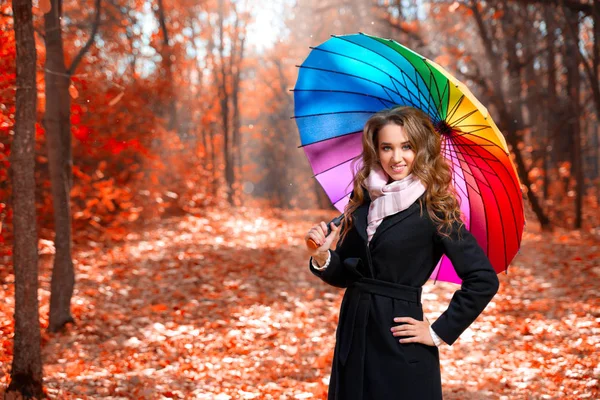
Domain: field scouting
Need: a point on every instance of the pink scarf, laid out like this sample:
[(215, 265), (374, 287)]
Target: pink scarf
[(388, 199)]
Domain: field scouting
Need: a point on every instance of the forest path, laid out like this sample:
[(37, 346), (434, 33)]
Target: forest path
[(223, 306)]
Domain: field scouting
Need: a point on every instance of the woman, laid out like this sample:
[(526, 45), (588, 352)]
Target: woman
[(403, 215)]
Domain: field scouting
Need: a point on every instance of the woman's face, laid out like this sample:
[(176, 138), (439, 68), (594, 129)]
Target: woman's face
[(395, 153)]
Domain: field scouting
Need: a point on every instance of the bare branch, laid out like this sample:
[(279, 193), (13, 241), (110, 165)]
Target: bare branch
[(90, 41), (163, 23), (590, 74), (574, 5)]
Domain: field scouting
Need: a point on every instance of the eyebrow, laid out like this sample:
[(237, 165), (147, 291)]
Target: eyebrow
[(384, 143)]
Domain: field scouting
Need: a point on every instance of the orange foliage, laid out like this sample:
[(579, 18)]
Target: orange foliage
[(222, 305)]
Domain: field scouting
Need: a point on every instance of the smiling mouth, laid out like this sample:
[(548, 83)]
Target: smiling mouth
[(398, 168)]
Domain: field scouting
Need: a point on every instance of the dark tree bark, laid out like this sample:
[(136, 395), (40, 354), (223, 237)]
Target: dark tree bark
[(573, 89), (507, 120), (237, 56), (224, 102), (551, 96), (168, 67), (26, 373), (60, 159), (58, 133)]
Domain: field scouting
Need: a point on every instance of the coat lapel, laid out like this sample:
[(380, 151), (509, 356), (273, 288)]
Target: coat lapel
[(360, 219), (394, 219), (362, 212)]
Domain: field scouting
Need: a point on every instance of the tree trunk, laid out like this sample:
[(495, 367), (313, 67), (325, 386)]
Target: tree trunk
[(595, 64), (551, 98), (506, 119), (26, 373), (236, 112), (58, 133), (60, 159), (168, 67), (224, 101), (573, 89)]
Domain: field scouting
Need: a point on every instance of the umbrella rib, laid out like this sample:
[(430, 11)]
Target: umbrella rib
[(386, 92), (337, 165), (504, 253), (476, 125), (465, 133), (467, 183), (479, 156), (428, 107), (392, 78), (458, 137), (432, 76), (358, 60), (333, 113), (515, 186), (430, 94), (480, 128), (493, 159), (417, 73), (453, 157), (407, 100), (345, 73), (341, 91), (454, 109), (464, 116), (447, 154), (324, 140), (382, 56), (470, 173), (344, 195), (477, 144), (421, 94), (519, 196), (447, 100), (488, 244), (404, 77), (418, 90)]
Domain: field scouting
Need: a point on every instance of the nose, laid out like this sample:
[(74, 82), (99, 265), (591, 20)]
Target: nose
[(397, 156)]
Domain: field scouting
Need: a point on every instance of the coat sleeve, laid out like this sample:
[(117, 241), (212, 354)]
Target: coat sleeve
[(337, 273), (479, 283)]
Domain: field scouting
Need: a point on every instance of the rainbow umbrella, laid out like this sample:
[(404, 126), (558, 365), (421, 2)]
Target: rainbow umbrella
[(346, 79)]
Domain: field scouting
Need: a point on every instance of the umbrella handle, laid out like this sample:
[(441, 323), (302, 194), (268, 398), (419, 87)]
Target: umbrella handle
[(337, 221)]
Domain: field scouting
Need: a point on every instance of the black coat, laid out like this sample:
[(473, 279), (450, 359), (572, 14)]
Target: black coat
[(383, 281)]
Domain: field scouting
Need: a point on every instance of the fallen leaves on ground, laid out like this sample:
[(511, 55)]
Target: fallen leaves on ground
[(222, 306)]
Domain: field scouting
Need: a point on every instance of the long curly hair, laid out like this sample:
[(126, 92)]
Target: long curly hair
[(429, 166)]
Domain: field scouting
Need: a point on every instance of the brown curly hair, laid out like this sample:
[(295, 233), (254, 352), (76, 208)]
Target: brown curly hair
[(429, 166)]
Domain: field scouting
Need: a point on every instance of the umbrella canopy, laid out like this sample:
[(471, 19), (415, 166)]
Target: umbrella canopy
[(348, 78)]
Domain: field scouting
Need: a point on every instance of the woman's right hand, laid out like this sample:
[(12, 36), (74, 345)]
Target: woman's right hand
[(317, 234)]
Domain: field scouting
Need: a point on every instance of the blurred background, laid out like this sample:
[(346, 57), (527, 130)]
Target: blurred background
[(186, 104), (165, 152)]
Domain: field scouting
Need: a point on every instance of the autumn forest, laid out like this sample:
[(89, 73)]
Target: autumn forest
[(154, 196)]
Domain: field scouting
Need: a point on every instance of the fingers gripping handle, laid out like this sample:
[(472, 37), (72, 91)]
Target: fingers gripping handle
[(337, 221)]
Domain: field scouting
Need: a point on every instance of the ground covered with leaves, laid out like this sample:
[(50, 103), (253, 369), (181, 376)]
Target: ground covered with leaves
[(222, 306)]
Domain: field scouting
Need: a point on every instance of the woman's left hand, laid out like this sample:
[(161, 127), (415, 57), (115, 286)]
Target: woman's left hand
[(417, 331)]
